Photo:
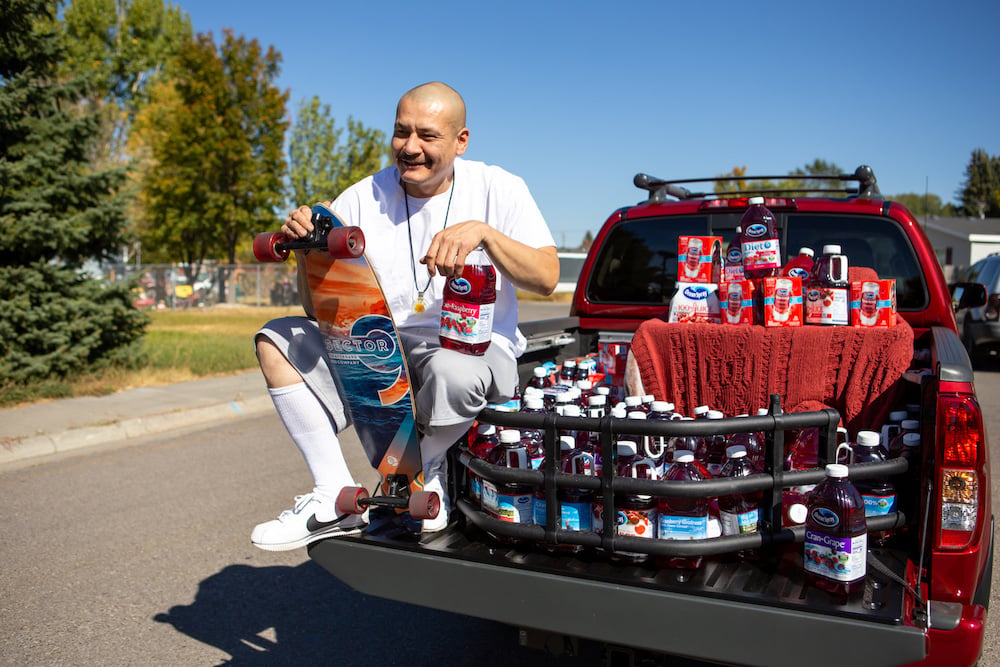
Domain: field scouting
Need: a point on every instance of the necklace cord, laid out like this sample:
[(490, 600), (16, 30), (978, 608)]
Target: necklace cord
[(409, 234)]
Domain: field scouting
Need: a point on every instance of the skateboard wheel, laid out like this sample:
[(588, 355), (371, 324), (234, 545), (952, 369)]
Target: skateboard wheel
[(345, 242), (424, 505), (349, 500), (264, 247)]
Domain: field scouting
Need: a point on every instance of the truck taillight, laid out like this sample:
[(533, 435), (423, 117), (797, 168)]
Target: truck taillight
[(960, 436)]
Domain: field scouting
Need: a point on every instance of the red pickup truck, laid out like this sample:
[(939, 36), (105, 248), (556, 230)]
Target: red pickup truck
[(925, 597)]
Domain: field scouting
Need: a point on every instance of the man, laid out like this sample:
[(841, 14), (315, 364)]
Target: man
[(429, 208)]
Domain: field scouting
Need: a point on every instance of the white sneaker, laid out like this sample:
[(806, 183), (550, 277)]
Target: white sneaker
[(436, 483), (304, 524)]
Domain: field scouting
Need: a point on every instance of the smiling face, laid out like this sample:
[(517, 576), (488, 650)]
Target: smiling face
[(428, 135)]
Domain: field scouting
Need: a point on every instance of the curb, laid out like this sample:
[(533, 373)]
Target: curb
[(29, 447)]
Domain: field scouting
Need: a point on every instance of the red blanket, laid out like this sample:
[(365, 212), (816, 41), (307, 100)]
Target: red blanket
[(735, 369)]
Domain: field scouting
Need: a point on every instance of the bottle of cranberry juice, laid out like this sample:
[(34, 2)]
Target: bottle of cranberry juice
[(761, 248), (836, 541), (467, 311), (683, 518)]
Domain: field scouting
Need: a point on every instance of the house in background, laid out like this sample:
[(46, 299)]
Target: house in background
[(960, 242)]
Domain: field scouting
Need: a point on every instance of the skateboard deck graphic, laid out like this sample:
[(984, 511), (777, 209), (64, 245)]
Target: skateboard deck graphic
[(367, 359)]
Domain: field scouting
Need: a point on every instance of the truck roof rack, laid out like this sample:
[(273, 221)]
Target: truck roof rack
[(659, 189)]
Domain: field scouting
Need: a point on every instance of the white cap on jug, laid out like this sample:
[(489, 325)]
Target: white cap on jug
[(585, 385), (541, 372), (910, 424), (566, 443), (736, 451), (597, 399), (806, 251), (636, 414), (571, 410), (626, 448), (761, 412), (648, 398), (755, 200), (798, 513), (897, 416), (534, 402), (831, 249), (510, 435), (603, 390), (633, 401), (532, 391), (911, 439), (835, 470), (683, 456), (716, 414), (868, 438), (618, 412), (662, 406), (701, 410)]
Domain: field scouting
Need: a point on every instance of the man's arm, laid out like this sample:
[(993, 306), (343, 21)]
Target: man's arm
[(532, 269)]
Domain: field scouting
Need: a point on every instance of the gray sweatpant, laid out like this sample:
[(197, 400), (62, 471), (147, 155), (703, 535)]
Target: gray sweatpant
[(448, 387)]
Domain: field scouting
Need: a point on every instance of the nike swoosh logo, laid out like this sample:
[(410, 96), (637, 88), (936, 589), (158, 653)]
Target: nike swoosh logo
[(312, 525)]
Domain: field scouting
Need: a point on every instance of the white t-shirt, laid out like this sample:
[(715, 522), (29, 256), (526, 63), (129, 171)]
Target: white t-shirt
[(481, 192)]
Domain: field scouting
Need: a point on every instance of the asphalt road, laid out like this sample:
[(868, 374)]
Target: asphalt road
[(140, 554)]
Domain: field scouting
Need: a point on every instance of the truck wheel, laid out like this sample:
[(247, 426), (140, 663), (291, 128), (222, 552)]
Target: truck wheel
[(345, 242), (424, 505), (265, 250), (349, 500)]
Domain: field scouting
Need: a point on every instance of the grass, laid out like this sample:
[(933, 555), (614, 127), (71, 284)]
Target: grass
[(179, 345)]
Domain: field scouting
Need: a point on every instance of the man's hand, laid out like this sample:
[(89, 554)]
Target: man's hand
[(298, 223), (451, 246)]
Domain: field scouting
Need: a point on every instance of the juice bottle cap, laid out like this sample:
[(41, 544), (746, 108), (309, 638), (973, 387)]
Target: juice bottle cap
[(755, 201), (633, 401), (736, 451), (637, 414), (534, 403), (486, 429), (566, 443), (897, 416), (510, 436), (571, 410), (626, 448), (831, 249), (662, 406), (683, 456), (761, 412), (564, 397), (532, 391), (910, 424), (798, 513), (585, 385), (618, 412), (597, 399), (648, 398), (570, 363), (715, 414), (603, 391), (868, 438), (911, 439), (541, 372), (701, 410), (836, 470), (806, 251)]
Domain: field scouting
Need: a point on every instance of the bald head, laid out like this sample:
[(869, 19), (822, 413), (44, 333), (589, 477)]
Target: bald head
[(440, 97)]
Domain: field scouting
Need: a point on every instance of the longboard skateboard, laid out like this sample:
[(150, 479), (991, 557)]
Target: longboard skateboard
[(367, 360)]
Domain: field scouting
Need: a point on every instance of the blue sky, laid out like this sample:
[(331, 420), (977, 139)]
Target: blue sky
[(577, 97)]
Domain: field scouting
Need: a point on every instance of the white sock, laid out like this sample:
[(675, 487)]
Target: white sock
[(312, 430)]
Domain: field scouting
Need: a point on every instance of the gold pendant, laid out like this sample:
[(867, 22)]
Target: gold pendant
[(419, 306)]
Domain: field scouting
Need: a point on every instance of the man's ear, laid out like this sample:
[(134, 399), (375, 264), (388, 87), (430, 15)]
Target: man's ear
[(463, 141)]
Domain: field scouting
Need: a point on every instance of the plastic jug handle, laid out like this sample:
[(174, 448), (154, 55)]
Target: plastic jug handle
[(517, 458), (850, 452)]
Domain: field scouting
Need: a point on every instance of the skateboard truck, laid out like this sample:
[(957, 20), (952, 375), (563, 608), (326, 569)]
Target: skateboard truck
[(420, 504)]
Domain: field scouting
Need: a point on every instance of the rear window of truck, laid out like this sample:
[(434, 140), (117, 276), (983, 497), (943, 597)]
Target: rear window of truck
[(637, 263)]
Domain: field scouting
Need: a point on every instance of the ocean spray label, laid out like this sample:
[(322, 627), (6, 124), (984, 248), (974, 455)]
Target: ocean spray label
[(739, 523), (877, 504), (634, 523), (763, 254), (507, 506), (575, 516), (467, 323), (672, 527), (838, 558)]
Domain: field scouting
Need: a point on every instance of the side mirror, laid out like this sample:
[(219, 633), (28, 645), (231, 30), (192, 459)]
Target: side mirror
[(967, 295)]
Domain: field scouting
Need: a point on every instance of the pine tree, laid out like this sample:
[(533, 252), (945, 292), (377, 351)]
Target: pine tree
[(55, 214)]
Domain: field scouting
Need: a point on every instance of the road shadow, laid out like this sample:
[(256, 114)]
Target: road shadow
[(283, 615)]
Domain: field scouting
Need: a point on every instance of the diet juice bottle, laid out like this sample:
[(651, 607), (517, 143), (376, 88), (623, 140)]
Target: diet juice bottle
[(683, 518), (467, 310), (732, 262), (836, 542), (761, 249)]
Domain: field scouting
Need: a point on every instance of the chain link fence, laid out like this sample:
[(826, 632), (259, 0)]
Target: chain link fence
[(170, 286)]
